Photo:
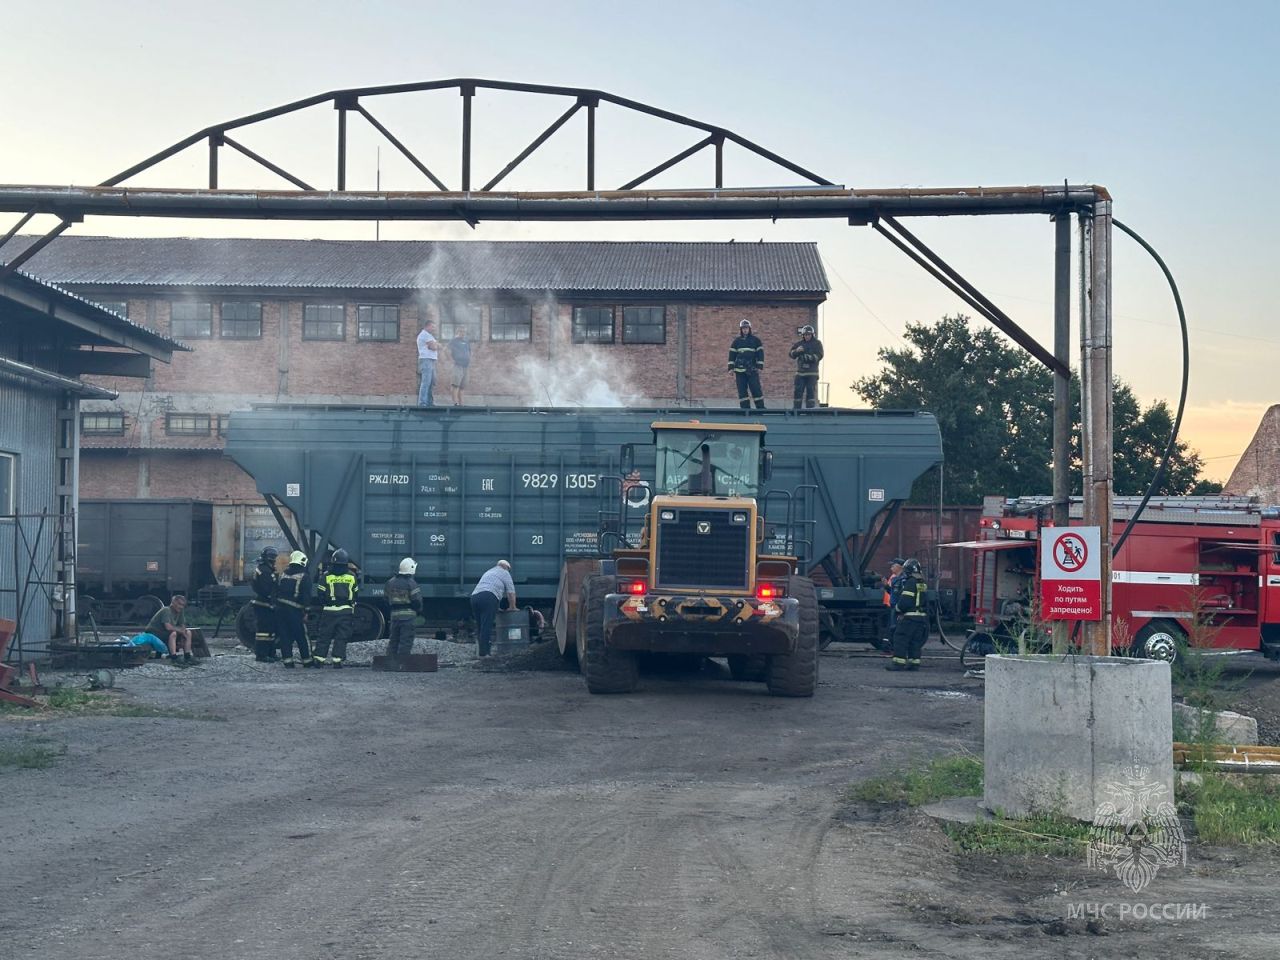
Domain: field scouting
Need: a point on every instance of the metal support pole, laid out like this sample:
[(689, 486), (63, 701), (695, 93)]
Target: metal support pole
[(1061, 393), (591, 146), (215, 141), (342, 147), (467, 94), (720, 163), (1096, 413)]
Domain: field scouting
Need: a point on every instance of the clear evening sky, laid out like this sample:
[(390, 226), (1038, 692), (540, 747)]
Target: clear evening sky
[(1171, 106)]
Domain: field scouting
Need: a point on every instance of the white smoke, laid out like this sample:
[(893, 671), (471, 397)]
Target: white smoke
[(554, 371), (581, 375)]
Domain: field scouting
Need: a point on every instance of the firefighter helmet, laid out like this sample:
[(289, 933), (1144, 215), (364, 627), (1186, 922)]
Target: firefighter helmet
[(408, 566), (912, 568), (340, 557), (269, 554), (806, 330), (298, 558), (744, 324)]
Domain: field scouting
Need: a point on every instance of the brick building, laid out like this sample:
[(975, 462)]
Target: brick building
[(552, 323), (1257, 474)]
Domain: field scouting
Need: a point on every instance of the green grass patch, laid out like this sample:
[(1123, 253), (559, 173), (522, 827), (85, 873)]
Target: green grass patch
[(1046, 836), (30, 756), (1241, 809), (77, 702), (941, 777)]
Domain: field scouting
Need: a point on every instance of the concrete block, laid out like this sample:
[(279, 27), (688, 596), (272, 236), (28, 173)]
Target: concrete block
[(1066, 734), (1228, 727)]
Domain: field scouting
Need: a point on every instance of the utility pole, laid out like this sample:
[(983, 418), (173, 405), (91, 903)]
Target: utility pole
[(1095, 401)]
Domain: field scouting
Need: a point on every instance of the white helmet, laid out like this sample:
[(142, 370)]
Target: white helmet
[(408, 565), (298, 557)]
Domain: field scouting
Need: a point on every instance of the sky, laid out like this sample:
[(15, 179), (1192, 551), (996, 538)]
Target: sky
[(1168, 105)]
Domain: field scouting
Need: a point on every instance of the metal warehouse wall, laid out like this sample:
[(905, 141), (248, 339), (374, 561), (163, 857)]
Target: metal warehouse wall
[(28, 419)]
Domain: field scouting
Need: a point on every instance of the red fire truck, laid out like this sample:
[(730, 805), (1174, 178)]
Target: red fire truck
[(1198, 569)]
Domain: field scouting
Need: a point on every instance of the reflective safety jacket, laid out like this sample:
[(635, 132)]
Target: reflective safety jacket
[(337, 589), (911, 599), (807, 355), (746, 354), (293, 587), (404, 597), (264, 584)]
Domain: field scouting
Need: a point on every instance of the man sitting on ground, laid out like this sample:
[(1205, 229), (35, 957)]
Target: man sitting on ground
[(170, 625)]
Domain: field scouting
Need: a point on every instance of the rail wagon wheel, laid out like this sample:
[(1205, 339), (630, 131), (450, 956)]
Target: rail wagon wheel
[(1159, 640), (796, 674), (145, 607), (748, 668), (370, 623), (246, 626)]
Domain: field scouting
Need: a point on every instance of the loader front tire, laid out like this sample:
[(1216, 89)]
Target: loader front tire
[(796, 674), (605, 670)]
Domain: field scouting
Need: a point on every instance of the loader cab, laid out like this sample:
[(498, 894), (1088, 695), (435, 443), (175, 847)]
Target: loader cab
[(710, 459)]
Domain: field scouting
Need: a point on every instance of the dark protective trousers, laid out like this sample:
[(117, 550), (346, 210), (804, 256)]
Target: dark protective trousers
[(334, 634), (291, 630), (749, 390), (806, 390), (264, 632), (909, 637), (402, 630), (484, 605)]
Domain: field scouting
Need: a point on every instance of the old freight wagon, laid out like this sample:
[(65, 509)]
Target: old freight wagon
[(460, 488)]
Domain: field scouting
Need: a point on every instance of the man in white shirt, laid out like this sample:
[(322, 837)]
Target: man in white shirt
[(427, 344), (494, 584)]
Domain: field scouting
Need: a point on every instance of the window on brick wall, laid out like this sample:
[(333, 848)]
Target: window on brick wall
[(190, 320), (324, 321), (593, 324), (644, 324), (378, 321), (222, 424), (188, 424), (241, 320), (8, 483), (118, 307), (511, 322), (460, 316), (102, 424)]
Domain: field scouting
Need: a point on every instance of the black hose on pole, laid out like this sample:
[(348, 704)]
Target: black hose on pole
[(1182, 395)]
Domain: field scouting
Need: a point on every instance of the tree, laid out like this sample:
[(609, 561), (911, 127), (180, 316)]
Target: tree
[(994, 405)]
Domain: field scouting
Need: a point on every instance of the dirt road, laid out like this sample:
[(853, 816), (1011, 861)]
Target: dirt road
[(478, 814)]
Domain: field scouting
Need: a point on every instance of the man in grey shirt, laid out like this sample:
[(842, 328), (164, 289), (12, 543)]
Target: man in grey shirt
[(492, 587)]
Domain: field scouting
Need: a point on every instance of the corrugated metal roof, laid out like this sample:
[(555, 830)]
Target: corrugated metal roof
[(108, 318), (780, 268)]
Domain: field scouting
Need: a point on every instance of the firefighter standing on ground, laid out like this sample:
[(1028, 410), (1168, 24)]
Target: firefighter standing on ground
[(746, 360), (405, 599), (264, 595), (807, 353), (292, 592), (336, 592), (912, 629)]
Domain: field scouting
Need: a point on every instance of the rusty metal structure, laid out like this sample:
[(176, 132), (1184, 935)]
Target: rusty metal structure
[(809, 195)]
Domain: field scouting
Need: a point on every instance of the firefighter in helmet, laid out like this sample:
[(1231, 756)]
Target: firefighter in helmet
[(912, 628), (405, 599), (807, 353), (293, 589), (746, 360), (336, 592), (263, 603)]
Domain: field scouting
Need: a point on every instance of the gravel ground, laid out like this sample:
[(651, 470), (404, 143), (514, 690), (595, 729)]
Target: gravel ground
[(501, 811)]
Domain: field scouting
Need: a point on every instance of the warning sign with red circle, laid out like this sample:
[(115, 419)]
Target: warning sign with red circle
[(1070, 574)]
